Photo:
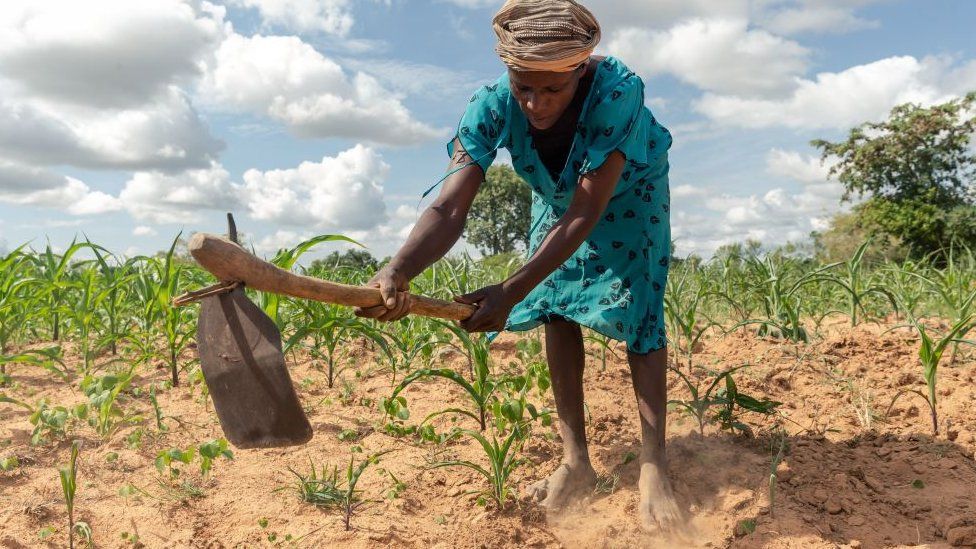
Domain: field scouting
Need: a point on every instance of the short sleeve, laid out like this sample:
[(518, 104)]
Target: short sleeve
[(620, 121), (482, 126)]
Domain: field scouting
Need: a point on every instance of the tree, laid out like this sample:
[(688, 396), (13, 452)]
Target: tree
[(846, 233), (917, 172), (501, 214), (352, 258), (737, 251)]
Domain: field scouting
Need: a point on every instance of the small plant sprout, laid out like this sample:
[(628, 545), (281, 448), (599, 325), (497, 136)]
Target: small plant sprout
[(206, 451), (684, 313), (69, 486), (350, 499), (211, 450), (167, 460), (604, 345), (157, 410), (397, 486), (930, 353), (779, 444), (102, 393), (502, 462), (481, 392)]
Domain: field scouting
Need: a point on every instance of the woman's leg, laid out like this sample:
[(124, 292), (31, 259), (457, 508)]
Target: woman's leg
[(649, 374), (564, 352)]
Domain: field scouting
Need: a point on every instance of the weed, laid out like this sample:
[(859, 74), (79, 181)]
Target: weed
[(9, 463), (606, 484), (327, 489), (317, 487)]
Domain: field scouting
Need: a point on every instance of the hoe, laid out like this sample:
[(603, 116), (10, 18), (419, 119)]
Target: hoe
[(240, 346)]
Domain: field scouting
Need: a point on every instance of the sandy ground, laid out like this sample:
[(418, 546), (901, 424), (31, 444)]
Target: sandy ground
[(846, 479)]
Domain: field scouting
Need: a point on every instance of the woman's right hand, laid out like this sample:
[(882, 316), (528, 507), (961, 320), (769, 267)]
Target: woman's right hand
[(394, 287)]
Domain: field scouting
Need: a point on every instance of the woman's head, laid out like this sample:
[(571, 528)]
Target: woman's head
[(544, 95), (546, 45)]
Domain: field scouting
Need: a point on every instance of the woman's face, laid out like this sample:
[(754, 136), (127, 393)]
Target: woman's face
[(543, 96)]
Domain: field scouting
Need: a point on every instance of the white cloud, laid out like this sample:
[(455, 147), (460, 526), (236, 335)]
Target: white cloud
[(157, 197), (823, 16), (288, 80), (780, 16), (774, 212), (792, 164), (104, 53), (659, 14), (774, 217), (99, 84), (719, 55), (473, 4), (341, 193), (329, 16), (25, 185), (687, 191), (166, 135), (847, 98), (432, 81), (144, 230), (271, 243)]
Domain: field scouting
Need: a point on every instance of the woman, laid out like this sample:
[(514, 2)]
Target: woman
[(580, 135)]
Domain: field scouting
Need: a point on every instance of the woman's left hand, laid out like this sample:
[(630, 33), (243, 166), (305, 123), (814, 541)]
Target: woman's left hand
[(494, 304)]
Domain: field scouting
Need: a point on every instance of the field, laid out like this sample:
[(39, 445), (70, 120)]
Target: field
[(812, 406)]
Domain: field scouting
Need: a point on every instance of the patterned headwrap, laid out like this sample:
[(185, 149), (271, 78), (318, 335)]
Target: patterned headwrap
[(545, 35)]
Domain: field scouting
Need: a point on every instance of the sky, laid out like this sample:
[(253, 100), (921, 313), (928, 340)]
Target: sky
[(129, 122)]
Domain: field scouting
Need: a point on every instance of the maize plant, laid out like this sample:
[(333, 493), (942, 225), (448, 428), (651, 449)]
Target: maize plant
[(857, 285), (323, 330), (503, 460), (930, 353)]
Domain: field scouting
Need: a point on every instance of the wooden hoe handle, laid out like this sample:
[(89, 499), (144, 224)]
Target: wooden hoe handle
[(232, 263)]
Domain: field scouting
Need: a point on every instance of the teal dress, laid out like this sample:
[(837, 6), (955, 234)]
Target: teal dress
[(614, 283)]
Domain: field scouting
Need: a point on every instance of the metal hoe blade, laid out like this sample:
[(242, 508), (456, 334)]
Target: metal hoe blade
[(242, 362)]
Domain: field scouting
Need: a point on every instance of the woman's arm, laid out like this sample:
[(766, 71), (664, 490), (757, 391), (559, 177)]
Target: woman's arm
[(589, 202), (437, 230)]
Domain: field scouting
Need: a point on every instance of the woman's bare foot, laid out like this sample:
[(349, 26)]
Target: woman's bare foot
[(658, 508), (563, 485)]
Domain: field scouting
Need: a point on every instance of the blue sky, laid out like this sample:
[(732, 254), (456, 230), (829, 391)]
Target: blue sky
[(131, 121)]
